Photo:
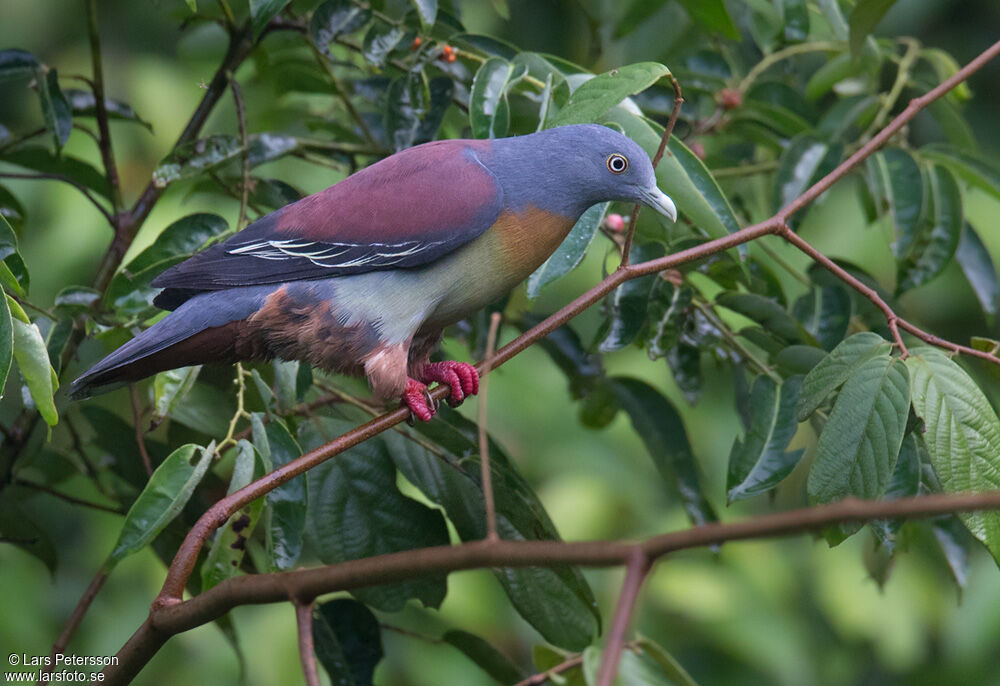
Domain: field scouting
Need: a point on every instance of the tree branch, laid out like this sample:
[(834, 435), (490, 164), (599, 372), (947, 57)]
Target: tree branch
[(101, 112), (484, 441), (170, 619), (307, 653), (635, 574)]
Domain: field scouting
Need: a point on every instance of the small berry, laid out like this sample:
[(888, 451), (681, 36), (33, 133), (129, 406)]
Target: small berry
[(448, 50), (698, 149), (730, 98), (615, 222), (450, 58), (416, 43)]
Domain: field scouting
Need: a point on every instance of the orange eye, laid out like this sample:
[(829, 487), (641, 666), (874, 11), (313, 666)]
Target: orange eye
[(617, 164)]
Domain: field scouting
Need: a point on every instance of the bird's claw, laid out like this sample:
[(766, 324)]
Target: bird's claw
[(418, 400), (462, 379)]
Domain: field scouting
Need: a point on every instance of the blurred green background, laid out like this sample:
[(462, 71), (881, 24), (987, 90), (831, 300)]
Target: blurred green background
[(784, 612)]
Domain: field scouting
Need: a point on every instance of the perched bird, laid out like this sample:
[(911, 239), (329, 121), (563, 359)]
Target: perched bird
[(362, 278)]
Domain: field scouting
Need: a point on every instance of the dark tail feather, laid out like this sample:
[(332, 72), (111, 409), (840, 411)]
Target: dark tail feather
[(210, 327)]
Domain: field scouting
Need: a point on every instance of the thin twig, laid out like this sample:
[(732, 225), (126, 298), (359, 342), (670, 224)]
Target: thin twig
[(307, 651), (101, 112), (635, 574), (775, 57), (43, 176), (18, 481), (241, 119), (73, 623), (664, 141), (484, 441), (745, 169), (140, 438), (324, 62)]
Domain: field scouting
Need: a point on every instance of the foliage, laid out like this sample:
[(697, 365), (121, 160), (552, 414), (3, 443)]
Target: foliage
[(776, 95)]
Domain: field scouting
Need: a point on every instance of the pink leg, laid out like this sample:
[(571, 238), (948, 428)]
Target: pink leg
[(461, 377), (417, 398)]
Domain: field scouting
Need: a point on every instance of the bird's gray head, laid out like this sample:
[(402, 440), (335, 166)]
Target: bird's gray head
[(569, 168)]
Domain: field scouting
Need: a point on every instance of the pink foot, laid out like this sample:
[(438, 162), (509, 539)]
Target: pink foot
[(461, 377), (418, 399)]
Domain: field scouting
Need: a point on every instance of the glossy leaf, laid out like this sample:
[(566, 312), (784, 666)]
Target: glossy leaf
[(864, 18), (662, 431), (758, 462), (956, 545), (945, 66), (84, 104), (11, 209), (414, 114), (836, 70), (182, 238), (682, 176), (667, 304), (962, 434), (488, 658), (197, 157), (594, 97), (348, 642), (287, 504), (900, 185), (262, 12), (230, 540), (904, 483), (825, 312), (937, 238), (76, 299), (169, 388), (668, 664), (842, 362), (55, 108), (162, 499), (427, 11), (334, 18), (796, 20), (769, 314), (32, 359), (627, 304), (6, 342), (381, 40), (973, 168), (17, 64), (489, 113), (570, 252), (979, 269), (805, 161), (356, 511), (860, 443)]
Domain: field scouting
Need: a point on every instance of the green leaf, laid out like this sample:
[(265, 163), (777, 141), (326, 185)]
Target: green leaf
[(262, 12), (16, 64), (796, 20), (835, 70), (593, 98), (33, 362), (979, 269), (825, 312), (413, 112), (488, 658), (381, 40), (627, 304), (759, 461), (11, 209), (55, 108), (17, 528), (904, 483), (937, 238), (668, 664), (182, 238), (169, 388), (288, 503), (76, 299), (6, 342), (713, 16), (165, 495), (769, 314), (682, 176), (427, 11), (962, 434), (667, 304), (348, 642), (192, 5), (334, 18), (955, 544), (489, 113), (557, 602), (860, 443), (970, 167), (662, 431), (39, 159), (570, 252), (897, 179), (864, 18), (230, 541), (581, 367), (16, 275), (945, 66), (356, 511), (842, 362), (805, 161)]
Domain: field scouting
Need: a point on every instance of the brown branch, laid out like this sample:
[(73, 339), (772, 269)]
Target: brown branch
[(101, 112), (484, 441), (307, 654), (42, 176), (664, 141), (140, 439), (241, 120), (169, 619), (635, 574), (73, 623)]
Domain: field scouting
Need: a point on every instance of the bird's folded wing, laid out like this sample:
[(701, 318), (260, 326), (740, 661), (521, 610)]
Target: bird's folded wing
[(404, 211)]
